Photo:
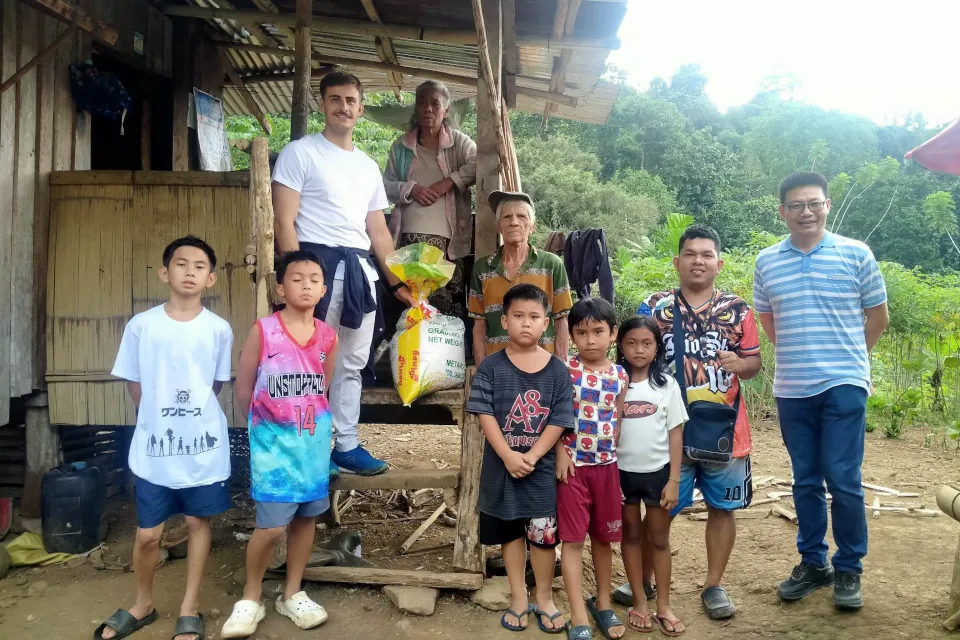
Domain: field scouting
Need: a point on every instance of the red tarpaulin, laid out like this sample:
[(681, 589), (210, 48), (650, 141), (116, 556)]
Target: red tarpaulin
[(941, 152)]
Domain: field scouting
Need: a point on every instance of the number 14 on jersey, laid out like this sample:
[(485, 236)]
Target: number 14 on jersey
[(306, 420)]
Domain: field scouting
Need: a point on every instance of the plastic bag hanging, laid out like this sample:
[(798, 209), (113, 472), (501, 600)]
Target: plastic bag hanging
[(427, 352)]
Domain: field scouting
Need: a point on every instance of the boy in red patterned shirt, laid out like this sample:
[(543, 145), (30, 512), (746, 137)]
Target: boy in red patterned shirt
[(588, 496)]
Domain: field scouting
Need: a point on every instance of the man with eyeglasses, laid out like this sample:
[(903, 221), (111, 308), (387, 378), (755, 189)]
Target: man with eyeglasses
[(822, 301), (721, 347)]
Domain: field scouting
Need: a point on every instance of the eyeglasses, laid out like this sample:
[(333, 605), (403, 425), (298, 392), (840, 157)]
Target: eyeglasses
[(815, 207)]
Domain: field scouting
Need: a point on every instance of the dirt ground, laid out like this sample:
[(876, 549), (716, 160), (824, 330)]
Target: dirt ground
[(906, 578)]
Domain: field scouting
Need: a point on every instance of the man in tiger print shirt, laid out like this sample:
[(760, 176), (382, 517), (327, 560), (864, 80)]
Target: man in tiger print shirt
[(721, 347)]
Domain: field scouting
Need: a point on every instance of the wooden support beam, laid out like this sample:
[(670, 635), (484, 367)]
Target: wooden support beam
[(384, 48), (563, 23), (488, 22), (261, 211), (467, 550), (397, 479), (45, 53), (72, 14), (300, 111), (443, 76), (368, 575), (404, 32), (43, 452), (510, 63), (248, 100)]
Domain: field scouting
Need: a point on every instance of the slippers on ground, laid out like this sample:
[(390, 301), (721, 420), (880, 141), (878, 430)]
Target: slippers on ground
[(304, 612), (643, 616), (550, 618), (518, 616), (717, 603), (605, 619), (243, 622), (663, 622), (124, 623), (580, 632), (189, 624)]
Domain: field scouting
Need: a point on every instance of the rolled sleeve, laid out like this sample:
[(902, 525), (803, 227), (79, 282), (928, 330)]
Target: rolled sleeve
[(475, 294), (290, 169), (760, 301), (562, 297), (873, 290)]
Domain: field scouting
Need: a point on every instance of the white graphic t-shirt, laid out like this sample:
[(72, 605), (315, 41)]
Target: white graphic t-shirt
[(181, 435), (649, 414)]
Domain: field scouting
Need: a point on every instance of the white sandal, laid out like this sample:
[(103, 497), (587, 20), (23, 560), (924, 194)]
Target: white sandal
[(244, 619), (304, 612)]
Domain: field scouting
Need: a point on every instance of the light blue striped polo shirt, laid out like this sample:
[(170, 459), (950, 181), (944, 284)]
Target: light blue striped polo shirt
[(817, 301)]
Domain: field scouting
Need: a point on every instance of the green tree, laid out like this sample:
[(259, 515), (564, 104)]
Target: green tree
[(940, 210)]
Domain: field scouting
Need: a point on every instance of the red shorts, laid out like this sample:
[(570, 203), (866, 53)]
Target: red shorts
[(589, 502)]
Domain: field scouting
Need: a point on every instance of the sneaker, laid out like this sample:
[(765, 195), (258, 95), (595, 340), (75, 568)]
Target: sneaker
[(358, 461), (846, 591), (334, 471), (804, 580)]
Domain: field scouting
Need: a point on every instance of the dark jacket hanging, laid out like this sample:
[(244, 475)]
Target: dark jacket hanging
[(586, 261)]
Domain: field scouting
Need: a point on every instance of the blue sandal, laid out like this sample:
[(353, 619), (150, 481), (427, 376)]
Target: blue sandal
[(518, 616), (582, 632), (550, 618), (605, 619)]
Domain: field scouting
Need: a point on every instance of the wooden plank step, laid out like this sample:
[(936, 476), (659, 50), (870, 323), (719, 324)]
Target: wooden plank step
[(395, 479), (388, 395), (369, 575)]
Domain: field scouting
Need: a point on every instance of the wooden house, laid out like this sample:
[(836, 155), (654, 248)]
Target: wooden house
[(86, 208)]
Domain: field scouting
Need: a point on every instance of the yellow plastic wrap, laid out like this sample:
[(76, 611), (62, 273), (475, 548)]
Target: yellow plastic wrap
[(427, 352)]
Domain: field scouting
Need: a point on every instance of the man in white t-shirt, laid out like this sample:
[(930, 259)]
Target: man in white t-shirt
[(175, 358), (328, 198)]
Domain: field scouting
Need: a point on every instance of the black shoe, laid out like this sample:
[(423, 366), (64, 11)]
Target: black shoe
[(846, 591), (804, 580)]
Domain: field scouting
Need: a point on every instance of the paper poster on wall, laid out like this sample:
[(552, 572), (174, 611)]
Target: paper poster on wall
[(211, 133)]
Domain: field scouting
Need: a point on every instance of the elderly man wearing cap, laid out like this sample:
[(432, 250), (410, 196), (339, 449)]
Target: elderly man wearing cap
[(517, 261)]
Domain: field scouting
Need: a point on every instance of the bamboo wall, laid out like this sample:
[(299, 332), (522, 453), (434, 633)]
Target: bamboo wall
[(39, 132), (108, 230)]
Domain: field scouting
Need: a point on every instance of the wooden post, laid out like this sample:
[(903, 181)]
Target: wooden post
[(467, 551), (261, 209), (953, 619), (146, 135), (300, 111), (43, 452), (488, 157), (184, 32), (510, 53)]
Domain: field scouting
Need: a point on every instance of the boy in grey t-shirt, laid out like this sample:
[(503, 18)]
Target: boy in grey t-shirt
[(524, 399)]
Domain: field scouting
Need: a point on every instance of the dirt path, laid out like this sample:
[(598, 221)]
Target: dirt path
[(905, 583)]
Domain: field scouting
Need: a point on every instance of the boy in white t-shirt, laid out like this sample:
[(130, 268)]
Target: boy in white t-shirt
[(175, 358)]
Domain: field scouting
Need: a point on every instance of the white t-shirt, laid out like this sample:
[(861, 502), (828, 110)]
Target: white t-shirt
[(649, 414), (337, 189), (181, 436)]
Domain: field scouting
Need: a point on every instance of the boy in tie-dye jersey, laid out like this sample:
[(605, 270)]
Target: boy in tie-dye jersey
[(282, 379)]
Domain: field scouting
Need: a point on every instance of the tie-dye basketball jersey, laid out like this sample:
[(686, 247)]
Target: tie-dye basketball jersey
[(289, 416)]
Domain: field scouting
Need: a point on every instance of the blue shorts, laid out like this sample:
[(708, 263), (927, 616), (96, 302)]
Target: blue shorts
[(155, 503), (726, 487), (279, 514)]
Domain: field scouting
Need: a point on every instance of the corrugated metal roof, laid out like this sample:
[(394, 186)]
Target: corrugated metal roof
[(595, 97)]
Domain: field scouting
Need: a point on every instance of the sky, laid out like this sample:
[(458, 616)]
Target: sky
[(877, 59)]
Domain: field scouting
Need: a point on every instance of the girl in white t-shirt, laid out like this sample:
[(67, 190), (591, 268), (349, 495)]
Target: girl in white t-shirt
[(649, 452)]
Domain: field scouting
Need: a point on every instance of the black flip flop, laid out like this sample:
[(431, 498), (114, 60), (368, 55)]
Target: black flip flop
[(124, 624), (189, 624), (550, 618), (717, 603), (604, 619)]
